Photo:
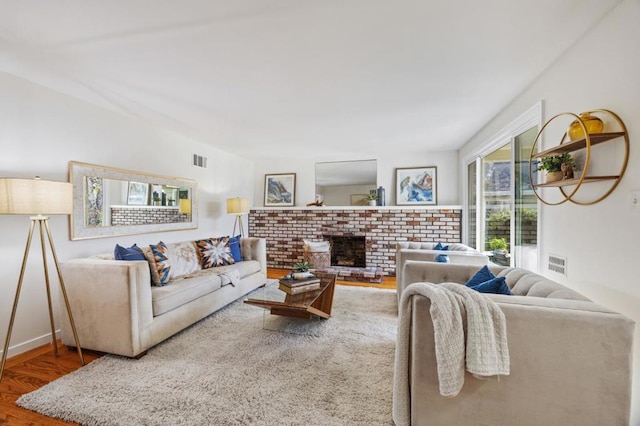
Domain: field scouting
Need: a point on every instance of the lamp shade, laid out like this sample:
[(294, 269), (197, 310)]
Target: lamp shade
[(237, 205), (35, 196)]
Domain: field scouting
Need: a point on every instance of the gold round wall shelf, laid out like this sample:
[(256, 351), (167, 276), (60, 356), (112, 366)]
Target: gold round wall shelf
[(584, 143)]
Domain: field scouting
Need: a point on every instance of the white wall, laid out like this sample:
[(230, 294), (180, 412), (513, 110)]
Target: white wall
[(600, 241), (445, 161), (40, 132)]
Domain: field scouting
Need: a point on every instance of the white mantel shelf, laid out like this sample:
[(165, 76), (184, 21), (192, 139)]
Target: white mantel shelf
[(420, 207)]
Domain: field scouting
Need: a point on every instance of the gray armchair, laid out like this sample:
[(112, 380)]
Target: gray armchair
[(570, 358)]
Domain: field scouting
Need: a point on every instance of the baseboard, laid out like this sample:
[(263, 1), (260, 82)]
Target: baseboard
[(30, 344)]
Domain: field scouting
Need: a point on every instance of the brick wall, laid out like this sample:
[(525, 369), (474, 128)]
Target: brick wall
[(145, 215), (284, 230)]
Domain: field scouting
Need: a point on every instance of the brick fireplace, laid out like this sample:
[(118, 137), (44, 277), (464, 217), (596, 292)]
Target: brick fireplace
[(348, 250), (381, 227)]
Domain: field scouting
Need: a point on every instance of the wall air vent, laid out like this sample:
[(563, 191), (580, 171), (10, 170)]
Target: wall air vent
[(558, 264), (199, 161)]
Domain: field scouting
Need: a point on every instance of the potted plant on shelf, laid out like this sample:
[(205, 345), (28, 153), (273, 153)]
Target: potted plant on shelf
[(372, 198), (558, 167)]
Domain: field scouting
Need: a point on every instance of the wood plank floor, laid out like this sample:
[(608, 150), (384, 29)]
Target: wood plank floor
[(33, 369)]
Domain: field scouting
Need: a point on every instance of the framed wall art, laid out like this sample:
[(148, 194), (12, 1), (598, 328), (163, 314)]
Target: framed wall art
[(280, 190), (359, 199), (138, 194), (416, 186)]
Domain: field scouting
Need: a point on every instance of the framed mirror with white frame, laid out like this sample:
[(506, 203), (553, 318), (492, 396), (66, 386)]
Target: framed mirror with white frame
[(109, 202)]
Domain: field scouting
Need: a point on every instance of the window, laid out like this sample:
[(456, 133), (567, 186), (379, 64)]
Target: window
[(501, 208)]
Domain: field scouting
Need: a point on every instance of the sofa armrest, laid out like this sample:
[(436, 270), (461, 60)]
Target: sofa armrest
[(111, 304), (255, 249), (570, 359)]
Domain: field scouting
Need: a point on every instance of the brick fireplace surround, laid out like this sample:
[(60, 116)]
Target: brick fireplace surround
[(285, 228)]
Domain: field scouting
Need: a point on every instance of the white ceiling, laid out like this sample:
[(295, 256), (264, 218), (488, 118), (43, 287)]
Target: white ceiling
[(282, 78)]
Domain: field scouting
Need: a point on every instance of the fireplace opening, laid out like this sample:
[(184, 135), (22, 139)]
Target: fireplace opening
[(348, 251)]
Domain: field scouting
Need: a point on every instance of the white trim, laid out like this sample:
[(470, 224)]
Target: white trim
[(528, 119)]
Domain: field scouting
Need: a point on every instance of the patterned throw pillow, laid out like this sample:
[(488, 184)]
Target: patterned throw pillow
[(162, 266), (215, 252)]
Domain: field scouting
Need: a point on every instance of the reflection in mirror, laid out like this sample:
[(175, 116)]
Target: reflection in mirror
[(346, 183), (109, 202)]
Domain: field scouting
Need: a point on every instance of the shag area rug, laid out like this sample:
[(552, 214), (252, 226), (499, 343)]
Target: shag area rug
[(228, 370)]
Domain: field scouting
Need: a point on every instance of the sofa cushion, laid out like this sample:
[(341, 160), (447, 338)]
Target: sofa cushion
[(183, 290), (128, 253), (244, 269), (160, 268), (214, 252), (189, 287)]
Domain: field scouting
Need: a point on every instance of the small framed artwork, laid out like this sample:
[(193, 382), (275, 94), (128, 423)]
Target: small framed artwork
[(280, 190), (416, 186), (138, 194), (359, 199)]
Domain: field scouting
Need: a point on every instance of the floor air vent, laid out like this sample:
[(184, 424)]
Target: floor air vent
[(558, 264), (199, 161)]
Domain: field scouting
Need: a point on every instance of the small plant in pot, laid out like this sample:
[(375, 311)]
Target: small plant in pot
[(498, 245), (301, 270), (558, 167), (372, 199)]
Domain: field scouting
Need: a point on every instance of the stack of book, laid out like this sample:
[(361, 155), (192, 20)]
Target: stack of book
[(291, 286)]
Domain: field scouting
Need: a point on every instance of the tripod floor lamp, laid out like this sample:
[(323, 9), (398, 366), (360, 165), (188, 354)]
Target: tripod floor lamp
[(238, 206), (38, 198)]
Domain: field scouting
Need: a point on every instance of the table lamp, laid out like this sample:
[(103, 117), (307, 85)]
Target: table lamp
[(238, 206), (38, 198)]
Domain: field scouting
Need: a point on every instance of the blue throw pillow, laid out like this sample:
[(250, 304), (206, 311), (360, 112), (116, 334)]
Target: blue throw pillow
[(483, 275), (132, 253), (439, 246), (496, 285), (234, 244), (442, 258)]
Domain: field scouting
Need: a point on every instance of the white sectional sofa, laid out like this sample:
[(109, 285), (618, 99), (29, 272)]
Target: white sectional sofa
[(117, 310)]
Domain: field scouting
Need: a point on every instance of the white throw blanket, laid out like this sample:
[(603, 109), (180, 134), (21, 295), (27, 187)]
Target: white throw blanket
[(485, 352), (233, 276)]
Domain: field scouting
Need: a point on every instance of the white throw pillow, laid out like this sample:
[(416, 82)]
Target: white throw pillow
[(316, 247)]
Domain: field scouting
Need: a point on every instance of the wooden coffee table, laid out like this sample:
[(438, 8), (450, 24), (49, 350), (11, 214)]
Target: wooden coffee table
[(309, 305)]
